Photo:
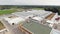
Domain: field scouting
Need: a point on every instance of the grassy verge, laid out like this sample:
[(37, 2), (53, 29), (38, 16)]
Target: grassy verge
[(7, 11), (1, 26)]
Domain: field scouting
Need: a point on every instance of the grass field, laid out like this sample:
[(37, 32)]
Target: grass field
[(7, 11), (1, 26)]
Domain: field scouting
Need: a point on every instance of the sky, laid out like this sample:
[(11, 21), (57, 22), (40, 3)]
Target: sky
[(30, 2)]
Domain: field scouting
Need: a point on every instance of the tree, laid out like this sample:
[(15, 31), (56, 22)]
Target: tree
[(55, 10)]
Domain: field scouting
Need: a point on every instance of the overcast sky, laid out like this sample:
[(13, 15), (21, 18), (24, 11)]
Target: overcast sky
[(30, 2)]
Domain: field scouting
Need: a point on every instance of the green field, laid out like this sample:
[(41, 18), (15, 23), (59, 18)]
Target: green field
[(7, 11)]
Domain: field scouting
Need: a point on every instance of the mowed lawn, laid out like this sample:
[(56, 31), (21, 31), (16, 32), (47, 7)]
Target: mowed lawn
[(1, 26), (7, 11)]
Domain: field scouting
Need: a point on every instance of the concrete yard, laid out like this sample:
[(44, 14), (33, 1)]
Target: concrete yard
[(36, 28)]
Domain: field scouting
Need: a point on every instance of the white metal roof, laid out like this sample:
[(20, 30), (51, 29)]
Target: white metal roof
[(14, 20), (39, 13), (37, 18)]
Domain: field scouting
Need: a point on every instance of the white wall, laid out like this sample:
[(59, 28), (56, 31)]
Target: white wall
[(14, 20), (54, 31)]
